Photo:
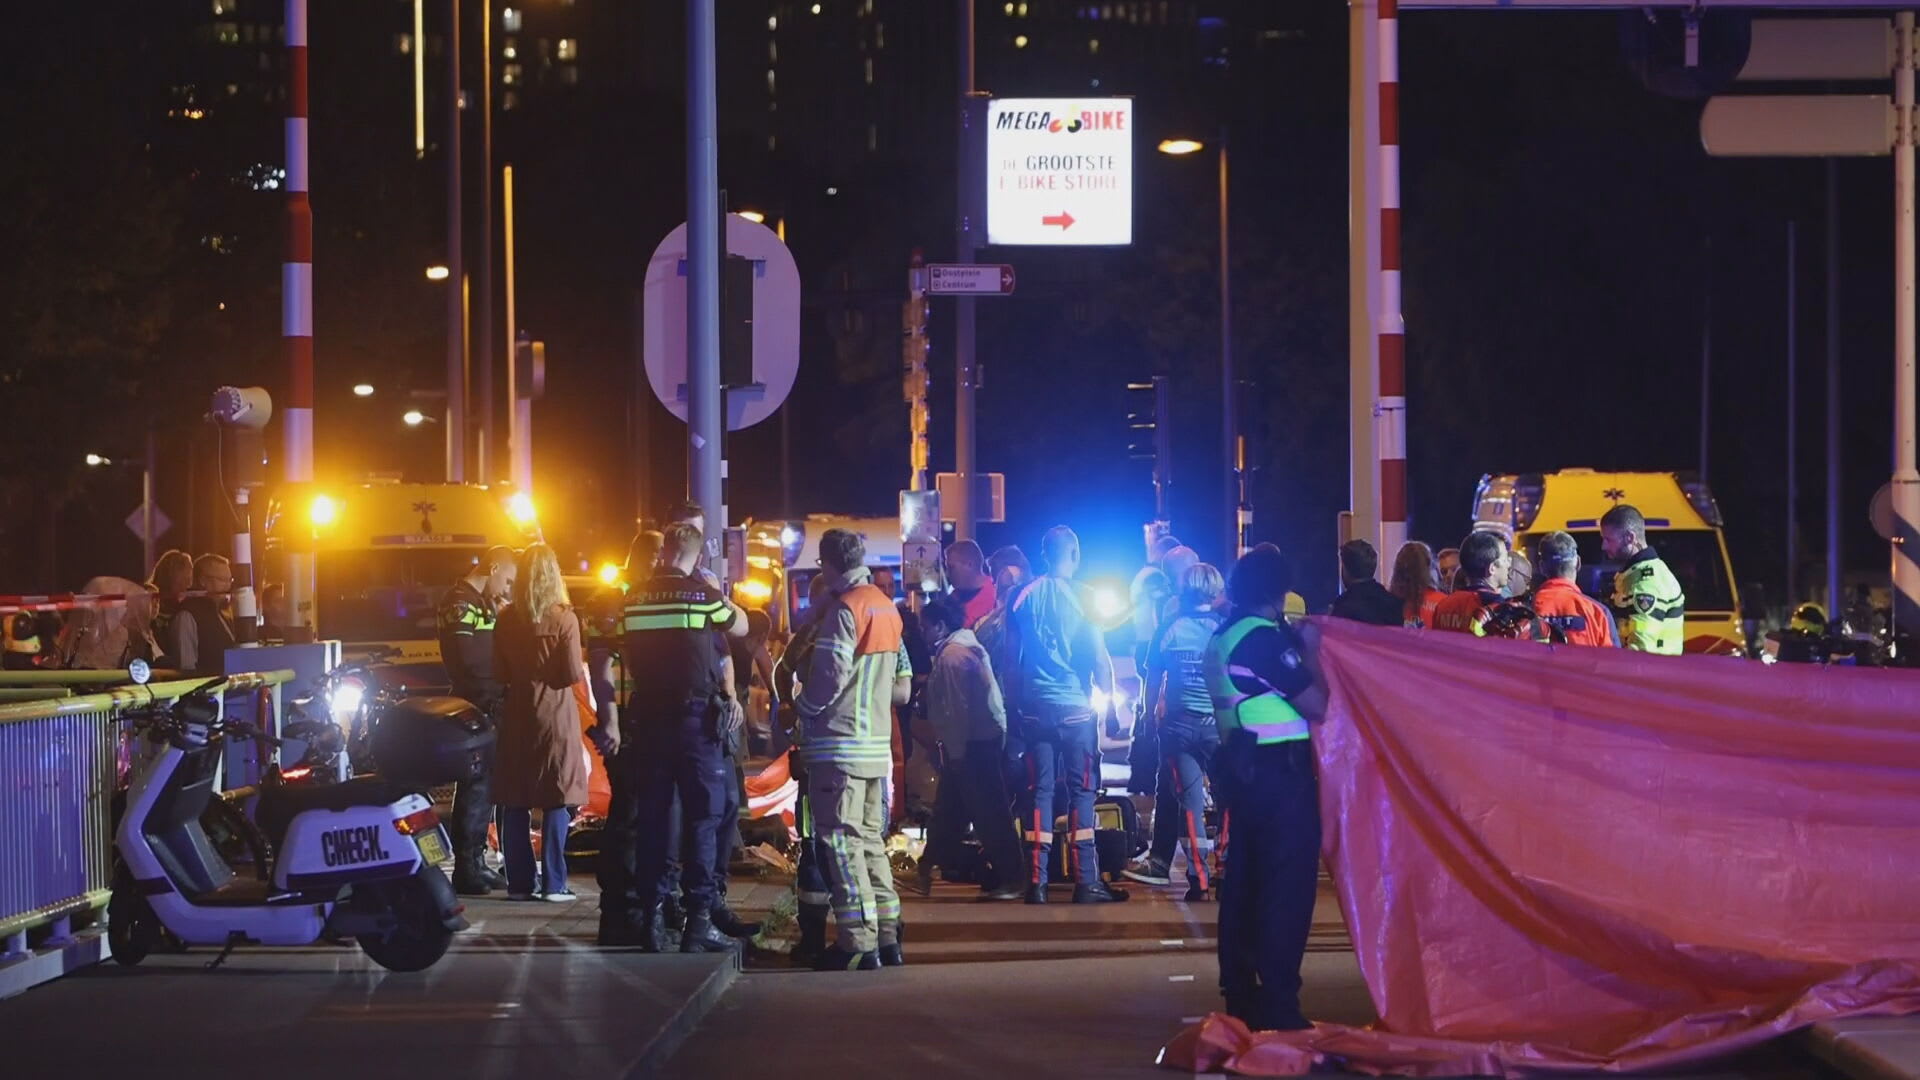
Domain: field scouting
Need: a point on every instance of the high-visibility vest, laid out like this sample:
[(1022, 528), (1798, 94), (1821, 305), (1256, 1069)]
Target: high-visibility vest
[(1266, 714), (1652, 606)]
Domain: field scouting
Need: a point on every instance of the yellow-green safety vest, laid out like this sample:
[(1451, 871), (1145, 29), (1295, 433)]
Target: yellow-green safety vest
[(1652, 608), (1267, 715)]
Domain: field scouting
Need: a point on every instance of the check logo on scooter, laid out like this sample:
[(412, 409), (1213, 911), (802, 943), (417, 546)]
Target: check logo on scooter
[(345, 847)]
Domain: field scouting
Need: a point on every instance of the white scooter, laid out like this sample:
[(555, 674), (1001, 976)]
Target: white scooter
[(358, 859)]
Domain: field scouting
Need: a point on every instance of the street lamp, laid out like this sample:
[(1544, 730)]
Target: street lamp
[(413, 417), (438, 272), (363, 389), (1241, 514), (754, 216), (95, 460)]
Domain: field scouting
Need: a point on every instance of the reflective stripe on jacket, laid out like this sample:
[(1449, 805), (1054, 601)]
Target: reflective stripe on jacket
[(1651, 606), (846, 697), (1266, 714)]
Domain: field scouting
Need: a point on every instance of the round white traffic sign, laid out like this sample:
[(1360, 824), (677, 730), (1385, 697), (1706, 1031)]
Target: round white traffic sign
[(776, 322)]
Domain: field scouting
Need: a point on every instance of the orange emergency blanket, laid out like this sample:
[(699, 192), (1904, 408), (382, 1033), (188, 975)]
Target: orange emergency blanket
[(1567, 859)]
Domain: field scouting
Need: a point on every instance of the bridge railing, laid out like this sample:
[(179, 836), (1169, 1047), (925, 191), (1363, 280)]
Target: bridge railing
[(61, 763)]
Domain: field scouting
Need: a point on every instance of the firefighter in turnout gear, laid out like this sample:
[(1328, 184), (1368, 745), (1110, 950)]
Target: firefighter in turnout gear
[(1263, 692), (846, 702), (466, 620), (1647, 598), (814, 896)]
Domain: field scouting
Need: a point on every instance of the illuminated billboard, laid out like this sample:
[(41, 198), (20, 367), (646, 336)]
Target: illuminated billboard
[(1060, 171)]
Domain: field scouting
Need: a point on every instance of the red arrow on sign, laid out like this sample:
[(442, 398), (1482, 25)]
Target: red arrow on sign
[(1062, 219)]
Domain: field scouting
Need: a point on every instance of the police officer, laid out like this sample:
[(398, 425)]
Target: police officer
[(1264, 777), (680, 719), (466, 620), (620, 922), (1647, 598)]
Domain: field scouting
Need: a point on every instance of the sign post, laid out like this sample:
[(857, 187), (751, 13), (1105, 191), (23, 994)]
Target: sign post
[(970, 279)]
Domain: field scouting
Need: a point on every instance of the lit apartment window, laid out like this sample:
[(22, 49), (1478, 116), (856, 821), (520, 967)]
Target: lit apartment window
[(512, 50), (773, 23), (816, 9), (867, 8), (869, 71), (873, 137), (569, 49), (773, 52), (569, 75), (1008, 9), (769, 80), (403, 44), (1020, 42), (510, 20), (223, 7), (879, 35), (510, 74), (509, 99), (1093, 45), (1023, 11), (770, 142), (226, 33)]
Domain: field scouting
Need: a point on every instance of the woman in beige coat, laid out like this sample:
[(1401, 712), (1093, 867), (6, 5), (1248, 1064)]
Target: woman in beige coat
[(541, 762)]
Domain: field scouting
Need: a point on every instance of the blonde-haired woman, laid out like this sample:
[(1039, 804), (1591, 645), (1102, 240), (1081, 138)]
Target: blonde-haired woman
[(1416, 582), (540, 763)]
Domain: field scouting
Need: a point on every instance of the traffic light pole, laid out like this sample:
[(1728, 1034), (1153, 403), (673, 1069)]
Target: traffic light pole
[(966, 242)]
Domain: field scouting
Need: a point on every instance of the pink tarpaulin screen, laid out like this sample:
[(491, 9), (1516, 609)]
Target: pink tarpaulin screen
[(1565, 859)]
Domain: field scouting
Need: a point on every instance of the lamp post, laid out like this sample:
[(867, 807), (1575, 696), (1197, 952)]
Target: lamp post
[(1240, 511)]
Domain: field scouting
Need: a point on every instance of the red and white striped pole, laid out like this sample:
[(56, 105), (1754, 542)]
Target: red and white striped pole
[(296, 313), (1390, 402)]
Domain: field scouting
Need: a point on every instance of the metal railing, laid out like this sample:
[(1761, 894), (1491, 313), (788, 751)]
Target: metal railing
[(60, 765)]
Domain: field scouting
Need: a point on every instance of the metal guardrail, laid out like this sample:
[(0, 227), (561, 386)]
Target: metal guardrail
[(75, 678), (60, 764)]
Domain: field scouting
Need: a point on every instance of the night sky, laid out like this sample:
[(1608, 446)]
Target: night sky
[(1563, 229)]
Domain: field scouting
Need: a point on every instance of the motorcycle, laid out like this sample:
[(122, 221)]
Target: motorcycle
[(358, 859)]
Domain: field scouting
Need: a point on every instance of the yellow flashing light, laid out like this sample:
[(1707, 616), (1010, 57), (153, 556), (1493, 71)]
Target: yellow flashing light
[(753, 590), (323, 510), (609, 573), (520, 508)]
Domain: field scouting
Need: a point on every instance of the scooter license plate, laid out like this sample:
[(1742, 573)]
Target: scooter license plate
[(433, 846)]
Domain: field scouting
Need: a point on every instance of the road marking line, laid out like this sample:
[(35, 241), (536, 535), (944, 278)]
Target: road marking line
[(1179, 978)]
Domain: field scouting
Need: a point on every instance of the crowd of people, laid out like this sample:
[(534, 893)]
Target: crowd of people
[(178, 620), (1014, 682)]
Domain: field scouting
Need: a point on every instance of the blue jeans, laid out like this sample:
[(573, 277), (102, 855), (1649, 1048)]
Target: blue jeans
[(517, 839)]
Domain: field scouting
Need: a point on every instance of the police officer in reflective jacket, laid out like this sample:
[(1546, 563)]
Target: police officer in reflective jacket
[(1647, 598), (1263, 694), (679, 719), (466, 620)]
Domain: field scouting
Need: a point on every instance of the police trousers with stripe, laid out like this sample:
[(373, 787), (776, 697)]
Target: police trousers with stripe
[(850, 816), (1060, 745)]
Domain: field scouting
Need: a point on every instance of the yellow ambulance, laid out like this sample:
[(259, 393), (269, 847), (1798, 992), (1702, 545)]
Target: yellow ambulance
[(1683, 524), (385, 553)]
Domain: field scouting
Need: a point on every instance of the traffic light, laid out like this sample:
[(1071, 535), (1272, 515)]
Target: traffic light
[(1150, 437)]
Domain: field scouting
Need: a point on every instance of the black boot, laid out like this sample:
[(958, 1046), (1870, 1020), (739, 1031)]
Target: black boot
[(494, 878), (812, 920), (838, 959), (630, 928), (1036, 894), (701, 936), (468, 876), (674, 914), (725, 921), (1097, 893)]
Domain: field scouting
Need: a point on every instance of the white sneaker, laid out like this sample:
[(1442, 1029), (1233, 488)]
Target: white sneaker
[(562, 897)]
